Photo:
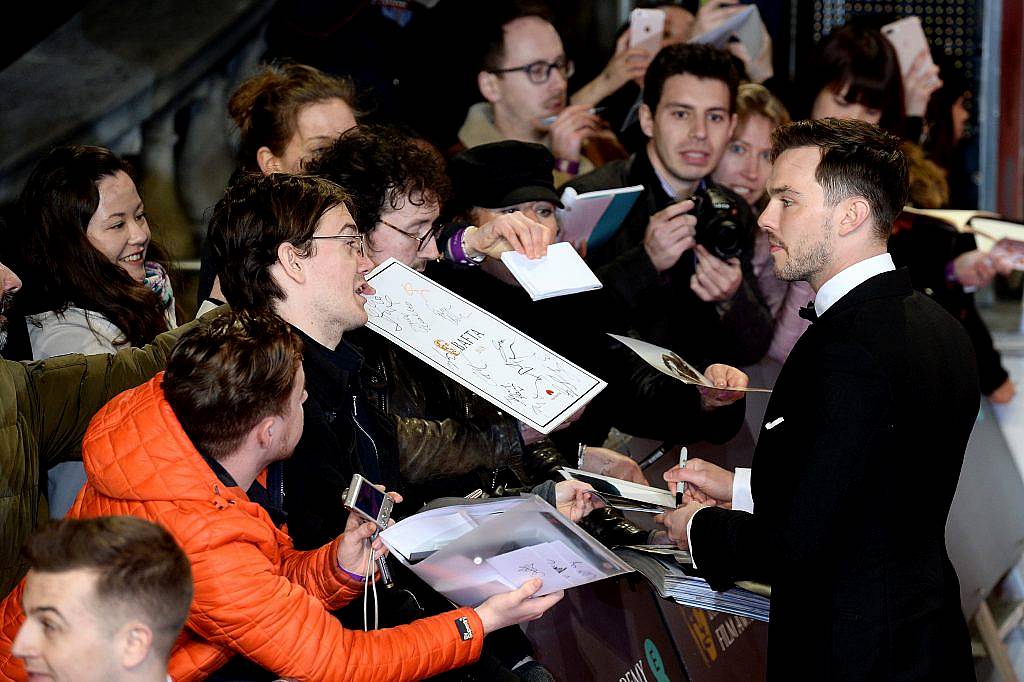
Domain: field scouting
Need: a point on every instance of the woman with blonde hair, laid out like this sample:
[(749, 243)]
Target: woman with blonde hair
[(744, 168)]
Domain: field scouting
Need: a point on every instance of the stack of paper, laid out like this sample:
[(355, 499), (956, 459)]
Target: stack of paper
[(663, 568), (624, 495), (559, 272)]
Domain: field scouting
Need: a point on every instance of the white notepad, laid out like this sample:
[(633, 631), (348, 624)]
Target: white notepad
[(558, 273)]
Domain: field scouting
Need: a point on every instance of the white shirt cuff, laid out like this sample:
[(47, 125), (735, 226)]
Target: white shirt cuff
[(689, 543), (742, 499)]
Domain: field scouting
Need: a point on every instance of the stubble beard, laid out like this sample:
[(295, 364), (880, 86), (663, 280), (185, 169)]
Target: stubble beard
[(805, 260)]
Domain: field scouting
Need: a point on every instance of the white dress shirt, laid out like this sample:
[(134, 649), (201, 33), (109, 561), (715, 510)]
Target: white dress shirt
[(831, 291)]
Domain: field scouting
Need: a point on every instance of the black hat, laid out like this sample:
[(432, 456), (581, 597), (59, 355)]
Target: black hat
[(502, 174)]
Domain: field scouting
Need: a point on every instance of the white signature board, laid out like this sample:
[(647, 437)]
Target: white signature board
[(494, 360)]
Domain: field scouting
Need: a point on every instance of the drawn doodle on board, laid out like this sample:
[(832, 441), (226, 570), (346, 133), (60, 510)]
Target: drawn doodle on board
[(383, 309), (447, 349), (410, 290), (514, 393), (479, 370), (413, 319), (448, 313)]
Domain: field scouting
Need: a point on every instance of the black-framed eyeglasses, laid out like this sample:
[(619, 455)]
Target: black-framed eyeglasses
[(420, 241), (355, 242), (540, 72)]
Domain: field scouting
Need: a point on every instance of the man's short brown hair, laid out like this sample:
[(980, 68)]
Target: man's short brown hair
[(857, 159), (257, 214), (140, 570), (223, 378)]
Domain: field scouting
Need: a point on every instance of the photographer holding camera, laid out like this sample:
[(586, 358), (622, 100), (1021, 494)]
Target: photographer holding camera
[(686, 245)]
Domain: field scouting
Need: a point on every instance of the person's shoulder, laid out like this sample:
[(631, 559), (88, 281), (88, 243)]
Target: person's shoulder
[(74, 330)]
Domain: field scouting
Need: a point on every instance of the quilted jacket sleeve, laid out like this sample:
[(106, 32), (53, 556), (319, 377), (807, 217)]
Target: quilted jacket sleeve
[(71, 388), (243, 603), (11, 617), (317, 571)]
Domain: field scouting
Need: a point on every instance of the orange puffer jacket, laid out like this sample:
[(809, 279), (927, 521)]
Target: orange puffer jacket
[(255, 594)]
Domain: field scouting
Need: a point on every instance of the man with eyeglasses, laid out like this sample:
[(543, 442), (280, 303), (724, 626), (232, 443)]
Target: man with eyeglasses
[(524, 79)]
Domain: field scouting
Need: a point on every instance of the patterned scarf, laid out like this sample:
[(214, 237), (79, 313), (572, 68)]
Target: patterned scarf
[(158, 281)]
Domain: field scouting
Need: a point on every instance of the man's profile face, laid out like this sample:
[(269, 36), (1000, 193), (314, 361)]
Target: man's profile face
[(393, 240), (64, 636), (690, 128), (529, 40), (337, 272), (797, 221)]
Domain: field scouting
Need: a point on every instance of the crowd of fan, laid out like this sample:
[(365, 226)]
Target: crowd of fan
[(239, 442)]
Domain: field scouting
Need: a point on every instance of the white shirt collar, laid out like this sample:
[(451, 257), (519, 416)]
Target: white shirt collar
[(846, 280)]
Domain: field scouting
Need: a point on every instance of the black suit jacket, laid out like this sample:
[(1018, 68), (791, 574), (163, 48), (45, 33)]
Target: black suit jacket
[(852, 487)]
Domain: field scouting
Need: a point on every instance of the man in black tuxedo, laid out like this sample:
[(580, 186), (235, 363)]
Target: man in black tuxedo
[(863, 438)]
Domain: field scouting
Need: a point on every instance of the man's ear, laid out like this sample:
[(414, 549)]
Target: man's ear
[(134, 641), (647, 120), (265, 431), (291, 263), (854, 214), (488, 84), (267, 161)]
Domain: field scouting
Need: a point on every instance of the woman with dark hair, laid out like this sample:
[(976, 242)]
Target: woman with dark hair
[(855, 74), (96, 283)]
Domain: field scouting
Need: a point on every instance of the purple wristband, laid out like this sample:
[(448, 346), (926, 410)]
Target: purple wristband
[(455, 246), (355, 576)]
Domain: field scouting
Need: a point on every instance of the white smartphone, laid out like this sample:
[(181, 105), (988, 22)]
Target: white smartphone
[(365, 499), (908, 39), (646, 27)]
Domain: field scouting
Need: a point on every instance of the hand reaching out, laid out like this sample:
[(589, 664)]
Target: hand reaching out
[(575, 499), (509, 232), (610, 463), (723, 377)]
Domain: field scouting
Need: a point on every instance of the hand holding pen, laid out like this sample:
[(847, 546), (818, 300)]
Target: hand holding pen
[(570, 128)]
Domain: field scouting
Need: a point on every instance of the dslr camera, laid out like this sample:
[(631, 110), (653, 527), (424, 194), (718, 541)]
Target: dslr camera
[(719, 229)]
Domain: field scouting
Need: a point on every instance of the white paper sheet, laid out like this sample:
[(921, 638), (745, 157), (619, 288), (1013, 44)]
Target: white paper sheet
[(489, 357), (559, 272)]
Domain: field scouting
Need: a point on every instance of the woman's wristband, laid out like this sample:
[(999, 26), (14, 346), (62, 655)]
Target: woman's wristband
[(567, 166)]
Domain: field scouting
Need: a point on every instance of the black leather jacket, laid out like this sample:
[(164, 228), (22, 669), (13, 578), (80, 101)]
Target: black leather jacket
[(449, 441)]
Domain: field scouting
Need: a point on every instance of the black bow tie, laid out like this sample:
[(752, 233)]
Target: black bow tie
[(809, 313)]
